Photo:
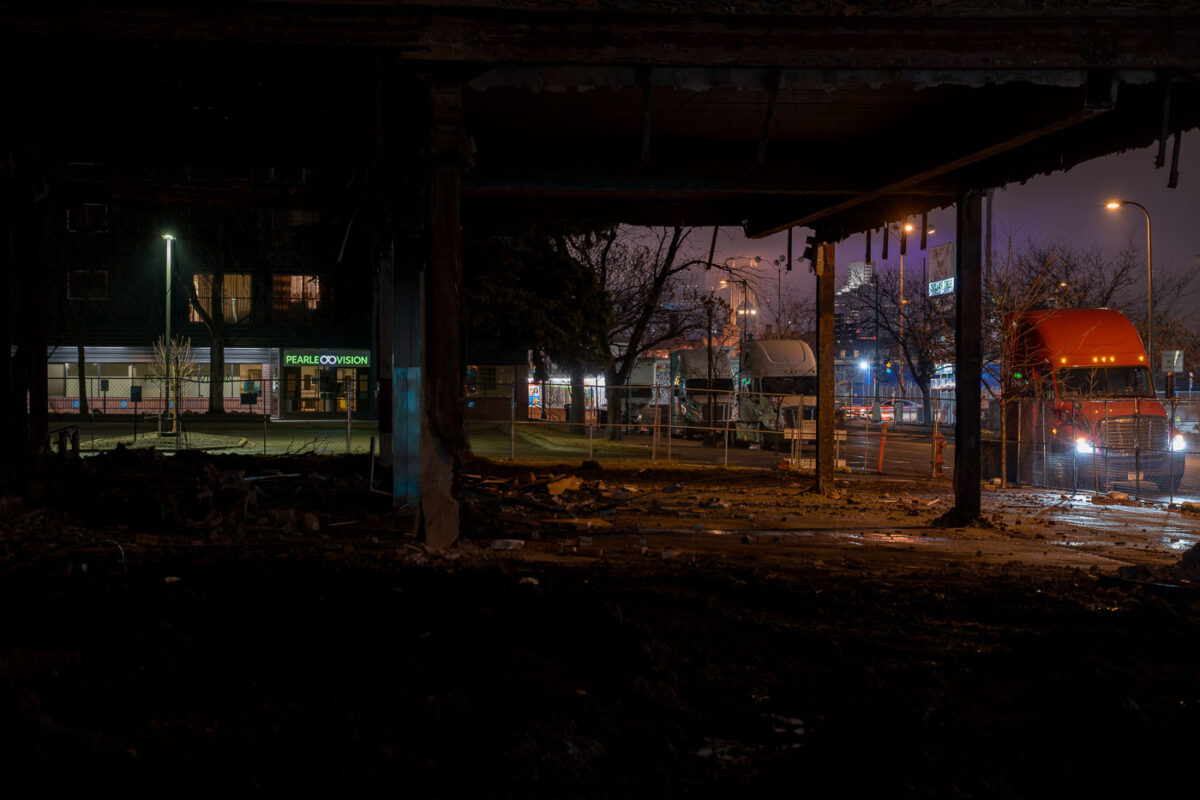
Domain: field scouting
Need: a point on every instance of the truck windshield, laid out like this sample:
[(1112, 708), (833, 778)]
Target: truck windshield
[(1106, 382), (789, 385)]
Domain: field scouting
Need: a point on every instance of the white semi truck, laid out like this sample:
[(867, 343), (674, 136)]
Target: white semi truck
[(691, 371), (776, 391)]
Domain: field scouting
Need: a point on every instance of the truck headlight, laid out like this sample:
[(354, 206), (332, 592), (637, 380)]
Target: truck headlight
[(1178, 443), (1084, 446)]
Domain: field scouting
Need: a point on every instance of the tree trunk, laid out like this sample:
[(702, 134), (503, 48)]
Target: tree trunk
[(82, 378), (1003, 441), (216, 352), (926, 402), (216, 373), (614, 392), (578, 401)]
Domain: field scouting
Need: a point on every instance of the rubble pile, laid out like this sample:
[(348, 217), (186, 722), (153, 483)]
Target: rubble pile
[(515, 502), (203, 497)]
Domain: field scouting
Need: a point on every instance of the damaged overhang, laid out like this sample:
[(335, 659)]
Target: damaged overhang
[(836, 116), (842, 150)]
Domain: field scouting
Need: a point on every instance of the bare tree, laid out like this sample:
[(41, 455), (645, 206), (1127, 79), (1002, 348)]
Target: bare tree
[(918, 328), (649, 304), (791, 315), (173, 368)]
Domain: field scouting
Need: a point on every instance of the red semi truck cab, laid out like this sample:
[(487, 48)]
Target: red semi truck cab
[(1087, 410)]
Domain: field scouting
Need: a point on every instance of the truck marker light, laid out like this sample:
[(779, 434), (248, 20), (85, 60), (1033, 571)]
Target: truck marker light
[(1054, 431), (1062, 360), (1084, 446), (1141, 358), (1178, 443), (1094, 359)]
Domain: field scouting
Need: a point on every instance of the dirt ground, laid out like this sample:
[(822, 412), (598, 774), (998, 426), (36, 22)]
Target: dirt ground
[(240, 624)]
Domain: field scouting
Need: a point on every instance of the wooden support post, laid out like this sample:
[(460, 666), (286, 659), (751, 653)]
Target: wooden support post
[(443, 435), (968, 358), (825, 376)]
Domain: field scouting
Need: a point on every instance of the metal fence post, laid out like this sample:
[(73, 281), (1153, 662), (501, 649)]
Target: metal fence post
[(1137, 448), (1020, 420), (866, 441), (933, 471), (654, 428), (670, 427), (1171, 452)]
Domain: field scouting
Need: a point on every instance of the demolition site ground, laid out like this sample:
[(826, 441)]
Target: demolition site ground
[(202, 623)]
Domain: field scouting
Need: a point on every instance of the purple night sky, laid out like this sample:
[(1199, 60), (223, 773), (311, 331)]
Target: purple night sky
[(1068, 206)]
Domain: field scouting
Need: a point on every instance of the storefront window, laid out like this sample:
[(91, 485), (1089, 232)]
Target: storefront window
[(325, 382)]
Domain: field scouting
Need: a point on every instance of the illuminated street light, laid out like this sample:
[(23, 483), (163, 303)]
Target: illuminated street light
[(1113, 205), (167, 341)]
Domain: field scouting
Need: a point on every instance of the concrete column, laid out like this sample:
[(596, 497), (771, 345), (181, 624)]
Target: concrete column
[(825, 374), (382, 181), (383, 315), (405, 402), (968, 359), (12, 420)]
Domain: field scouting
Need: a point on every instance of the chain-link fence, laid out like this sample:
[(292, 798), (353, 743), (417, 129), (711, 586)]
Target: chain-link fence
[(137, 395), (903, 437), (1150, 448), (1147, 447)]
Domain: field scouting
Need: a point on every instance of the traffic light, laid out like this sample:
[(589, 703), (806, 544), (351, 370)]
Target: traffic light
[(889, 368)]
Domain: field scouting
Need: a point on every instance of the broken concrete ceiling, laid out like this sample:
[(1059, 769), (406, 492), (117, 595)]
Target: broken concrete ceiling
[(837, 116)]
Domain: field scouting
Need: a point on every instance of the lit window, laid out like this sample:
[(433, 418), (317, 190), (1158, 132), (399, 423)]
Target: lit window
[(297, 293), (235, 297)]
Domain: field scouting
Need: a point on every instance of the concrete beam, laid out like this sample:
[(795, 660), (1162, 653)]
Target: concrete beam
[(1150, 39)]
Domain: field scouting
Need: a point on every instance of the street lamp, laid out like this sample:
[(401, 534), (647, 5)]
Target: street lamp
[(1113, 205), (167, 341)]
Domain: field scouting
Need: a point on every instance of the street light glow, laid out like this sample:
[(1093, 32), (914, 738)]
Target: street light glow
[(167, 236), (863, 365), (1114, 204), (908, 227)]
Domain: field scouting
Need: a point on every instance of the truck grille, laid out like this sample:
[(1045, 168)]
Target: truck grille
[(1126, 433)]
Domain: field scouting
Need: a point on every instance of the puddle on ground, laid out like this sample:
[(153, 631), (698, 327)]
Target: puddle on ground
[(857, 538)]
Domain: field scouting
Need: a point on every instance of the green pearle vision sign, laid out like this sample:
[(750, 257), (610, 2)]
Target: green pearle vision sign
[(317, 358)]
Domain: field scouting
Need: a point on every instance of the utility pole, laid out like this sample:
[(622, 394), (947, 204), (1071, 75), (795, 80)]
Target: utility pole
[(167, 355), (876, 414), (708, 433)]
